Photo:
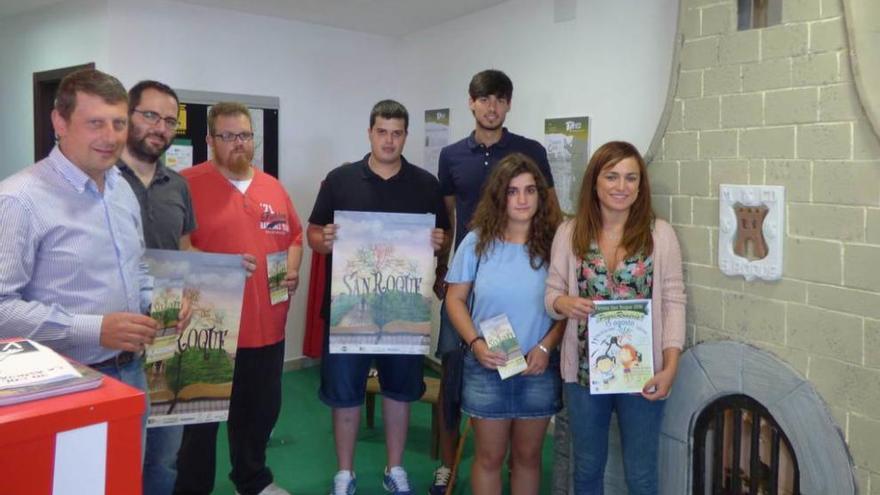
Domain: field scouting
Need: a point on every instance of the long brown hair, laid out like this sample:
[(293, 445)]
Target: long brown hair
[(490, 218), (588, 220)]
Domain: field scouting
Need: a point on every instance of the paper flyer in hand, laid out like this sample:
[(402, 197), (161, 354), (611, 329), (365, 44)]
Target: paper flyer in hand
[(500, 337), (190, 374), (620, 340), (381, 284), (165, 308), (277, 269)]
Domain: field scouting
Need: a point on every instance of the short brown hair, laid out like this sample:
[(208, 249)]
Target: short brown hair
[(226, 109), (91, 82)]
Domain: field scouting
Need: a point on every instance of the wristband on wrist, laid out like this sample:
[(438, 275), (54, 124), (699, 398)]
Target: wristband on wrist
[(474, 341), (541, 346)]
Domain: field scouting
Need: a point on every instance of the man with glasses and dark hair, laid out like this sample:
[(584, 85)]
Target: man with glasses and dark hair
[(462, 169), (167, 215), (383, 181), (241, 209)]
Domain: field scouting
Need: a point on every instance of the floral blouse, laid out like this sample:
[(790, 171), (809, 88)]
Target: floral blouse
[(632, 279)]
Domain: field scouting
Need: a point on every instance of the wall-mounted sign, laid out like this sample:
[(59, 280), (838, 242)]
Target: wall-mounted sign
[(750, 226)]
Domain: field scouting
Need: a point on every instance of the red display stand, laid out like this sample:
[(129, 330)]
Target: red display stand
[(28, 439)]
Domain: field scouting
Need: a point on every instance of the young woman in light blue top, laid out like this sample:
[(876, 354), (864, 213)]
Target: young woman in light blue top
[(504, 262)]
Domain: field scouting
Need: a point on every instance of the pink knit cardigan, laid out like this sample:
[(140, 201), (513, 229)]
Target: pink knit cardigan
[(668, 298)]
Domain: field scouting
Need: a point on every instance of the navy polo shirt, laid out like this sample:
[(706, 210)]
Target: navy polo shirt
[(464, 166), (355, 187)]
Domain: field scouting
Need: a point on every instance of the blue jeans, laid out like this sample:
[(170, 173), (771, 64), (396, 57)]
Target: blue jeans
[(589, 417), (132, 374), (160, 461)]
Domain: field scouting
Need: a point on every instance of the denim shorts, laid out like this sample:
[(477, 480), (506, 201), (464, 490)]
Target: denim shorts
[(485, 395), (344, 377)]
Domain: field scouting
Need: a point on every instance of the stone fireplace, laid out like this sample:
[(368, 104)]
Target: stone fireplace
[(714, 370)]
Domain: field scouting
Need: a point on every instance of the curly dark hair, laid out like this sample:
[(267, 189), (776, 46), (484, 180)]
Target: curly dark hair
[(490, 218)]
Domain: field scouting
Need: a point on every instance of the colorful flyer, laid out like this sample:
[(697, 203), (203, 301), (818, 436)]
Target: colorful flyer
[(620, 340), (568, 150), (193, 384), (381, 284), (500, 337), (165, 308), (277, 264)]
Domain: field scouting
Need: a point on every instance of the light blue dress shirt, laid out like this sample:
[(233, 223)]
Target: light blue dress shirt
[(69, 254)]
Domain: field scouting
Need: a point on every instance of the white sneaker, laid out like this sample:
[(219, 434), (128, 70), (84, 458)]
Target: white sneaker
[(271, 489), (344, 483), (396, 481)]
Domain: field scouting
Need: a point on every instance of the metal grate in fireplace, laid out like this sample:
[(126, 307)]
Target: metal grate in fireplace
[(740, 449)]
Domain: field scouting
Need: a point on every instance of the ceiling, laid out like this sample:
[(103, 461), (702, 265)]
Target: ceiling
[(385, 17)]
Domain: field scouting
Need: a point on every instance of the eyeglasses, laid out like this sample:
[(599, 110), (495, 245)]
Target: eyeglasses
[(153, 118), (228, 137)]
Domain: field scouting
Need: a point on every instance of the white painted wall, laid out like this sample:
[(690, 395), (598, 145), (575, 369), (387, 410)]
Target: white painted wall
[(63, 35), (611, 63)]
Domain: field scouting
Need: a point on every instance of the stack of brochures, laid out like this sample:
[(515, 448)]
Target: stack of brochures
[(30, 371)]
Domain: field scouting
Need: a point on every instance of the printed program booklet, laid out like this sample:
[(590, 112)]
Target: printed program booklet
[(500, 337), (621, 351), (30, 371), (190, 375), (381, 284), (24, 362), (276, 264)]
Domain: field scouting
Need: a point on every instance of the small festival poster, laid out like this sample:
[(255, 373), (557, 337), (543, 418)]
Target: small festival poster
[(179, 155), (621, 351), (277, 264), (500, 337), (190, 374), (381, 284), (165, 309), (436, 137), (568, 149)]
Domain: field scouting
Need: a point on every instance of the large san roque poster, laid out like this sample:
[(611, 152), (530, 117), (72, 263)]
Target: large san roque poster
[(381, 286)]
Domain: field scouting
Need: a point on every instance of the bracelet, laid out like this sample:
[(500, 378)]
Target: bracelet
[(541, 346), (474, 341)]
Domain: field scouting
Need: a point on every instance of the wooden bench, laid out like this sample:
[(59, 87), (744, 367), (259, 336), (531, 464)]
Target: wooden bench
[(432, 392)]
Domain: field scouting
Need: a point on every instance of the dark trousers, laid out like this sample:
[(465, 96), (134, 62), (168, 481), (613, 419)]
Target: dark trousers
[(253, 410)]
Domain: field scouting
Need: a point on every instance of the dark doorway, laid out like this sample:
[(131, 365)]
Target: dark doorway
[(45, 86), (740, 449)]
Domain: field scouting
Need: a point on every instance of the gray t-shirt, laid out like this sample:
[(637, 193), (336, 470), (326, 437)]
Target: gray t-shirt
[(166, 206)]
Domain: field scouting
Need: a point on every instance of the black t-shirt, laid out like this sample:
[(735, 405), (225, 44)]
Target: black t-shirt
[(354, 187)]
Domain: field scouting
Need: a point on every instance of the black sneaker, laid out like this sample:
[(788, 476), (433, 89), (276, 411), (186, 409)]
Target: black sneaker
[(441, 481)]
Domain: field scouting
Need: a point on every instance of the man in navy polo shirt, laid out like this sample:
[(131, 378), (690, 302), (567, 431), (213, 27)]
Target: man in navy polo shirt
[(383, 181), (463, 168)]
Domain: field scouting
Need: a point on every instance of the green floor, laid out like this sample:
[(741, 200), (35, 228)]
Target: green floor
[(301, 450)]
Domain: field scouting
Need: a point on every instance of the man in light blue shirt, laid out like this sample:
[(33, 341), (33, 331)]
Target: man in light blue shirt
[(70, 252)]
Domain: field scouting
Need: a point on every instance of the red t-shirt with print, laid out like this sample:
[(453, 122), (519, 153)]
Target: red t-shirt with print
[(259, 222)]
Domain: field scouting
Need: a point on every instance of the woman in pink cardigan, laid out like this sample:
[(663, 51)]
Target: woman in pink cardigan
[(615, 227)]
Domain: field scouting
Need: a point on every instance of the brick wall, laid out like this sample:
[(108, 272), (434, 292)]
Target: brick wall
[(778, 106)]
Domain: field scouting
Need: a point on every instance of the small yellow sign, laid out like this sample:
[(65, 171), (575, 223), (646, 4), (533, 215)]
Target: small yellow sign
[(181, 119)]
